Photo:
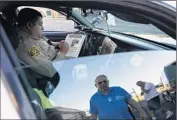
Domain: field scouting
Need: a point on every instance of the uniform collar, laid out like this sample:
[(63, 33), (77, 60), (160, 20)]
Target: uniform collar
[(109, 91), (21, 31)]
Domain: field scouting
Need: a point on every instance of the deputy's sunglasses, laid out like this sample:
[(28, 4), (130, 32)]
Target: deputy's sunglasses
[(104, 81)]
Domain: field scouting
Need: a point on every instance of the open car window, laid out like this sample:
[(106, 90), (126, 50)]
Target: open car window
[(124, 63), (53, 20)]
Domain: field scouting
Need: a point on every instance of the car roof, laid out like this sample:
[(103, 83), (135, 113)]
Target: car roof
[(139, 7), (73, 3)]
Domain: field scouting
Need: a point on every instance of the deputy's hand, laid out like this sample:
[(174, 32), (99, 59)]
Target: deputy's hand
[(63, 47)]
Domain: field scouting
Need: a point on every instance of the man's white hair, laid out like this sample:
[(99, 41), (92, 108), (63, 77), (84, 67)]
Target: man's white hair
[(101, 76)]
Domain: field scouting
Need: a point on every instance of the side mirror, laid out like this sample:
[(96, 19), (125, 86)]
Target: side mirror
[(105, 15), (99, 17), (85, 12), (96, 20)]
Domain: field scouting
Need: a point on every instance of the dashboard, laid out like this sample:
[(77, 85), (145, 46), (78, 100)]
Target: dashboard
[(93, 44)]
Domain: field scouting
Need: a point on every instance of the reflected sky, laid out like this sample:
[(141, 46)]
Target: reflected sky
[(122, 69), (172, 3)]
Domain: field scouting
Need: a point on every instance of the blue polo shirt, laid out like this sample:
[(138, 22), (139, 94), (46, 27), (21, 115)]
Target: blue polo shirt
[(111, 106)]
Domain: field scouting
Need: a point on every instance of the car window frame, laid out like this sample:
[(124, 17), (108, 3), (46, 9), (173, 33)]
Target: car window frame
[(19, 86)]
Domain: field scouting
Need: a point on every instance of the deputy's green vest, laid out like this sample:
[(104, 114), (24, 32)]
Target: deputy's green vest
[(46, 104)]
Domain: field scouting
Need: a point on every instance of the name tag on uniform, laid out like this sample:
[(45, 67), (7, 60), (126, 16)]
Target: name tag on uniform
[(119, 97)]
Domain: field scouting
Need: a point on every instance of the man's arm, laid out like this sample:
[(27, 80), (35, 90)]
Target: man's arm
[(136, 106), (93, 109), (49, 41), (133, 103), (147, 87), (52, 43), (93, 116), (144, 91)]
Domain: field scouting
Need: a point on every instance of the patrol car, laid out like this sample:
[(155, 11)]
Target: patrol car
[(135, 57)]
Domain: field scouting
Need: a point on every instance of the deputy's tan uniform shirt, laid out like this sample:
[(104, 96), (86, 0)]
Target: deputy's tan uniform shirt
[(37, 53)]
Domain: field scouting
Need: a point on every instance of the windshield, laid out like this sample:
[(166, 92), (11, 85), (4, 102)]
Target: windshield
[(122, 69), (104, 20)]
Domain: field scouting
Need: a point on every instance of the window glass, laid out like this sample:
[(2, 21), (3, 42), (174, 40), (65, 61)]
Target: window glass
[(53, 20)]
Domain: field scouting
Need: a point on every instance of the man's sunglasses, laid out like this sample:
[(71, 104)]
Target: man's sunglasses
[(105, 81)]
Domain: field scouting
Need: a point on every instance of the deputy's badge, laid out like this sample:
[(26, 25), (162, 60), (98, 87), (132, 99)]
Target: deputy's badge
[(34, 51)]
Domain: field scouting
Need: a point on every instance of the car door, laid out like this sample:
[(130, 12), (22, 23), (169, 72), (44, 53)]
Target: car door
[(17, 94), (13, 86)]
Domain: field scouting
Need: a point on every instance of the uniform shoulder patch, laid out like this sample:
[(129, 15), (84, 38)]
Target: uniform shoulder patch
[(34, 51)]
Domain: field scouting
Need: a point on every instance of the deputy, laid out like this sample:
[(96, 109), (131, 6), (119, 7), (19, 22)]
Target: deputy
[(33, 49)]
